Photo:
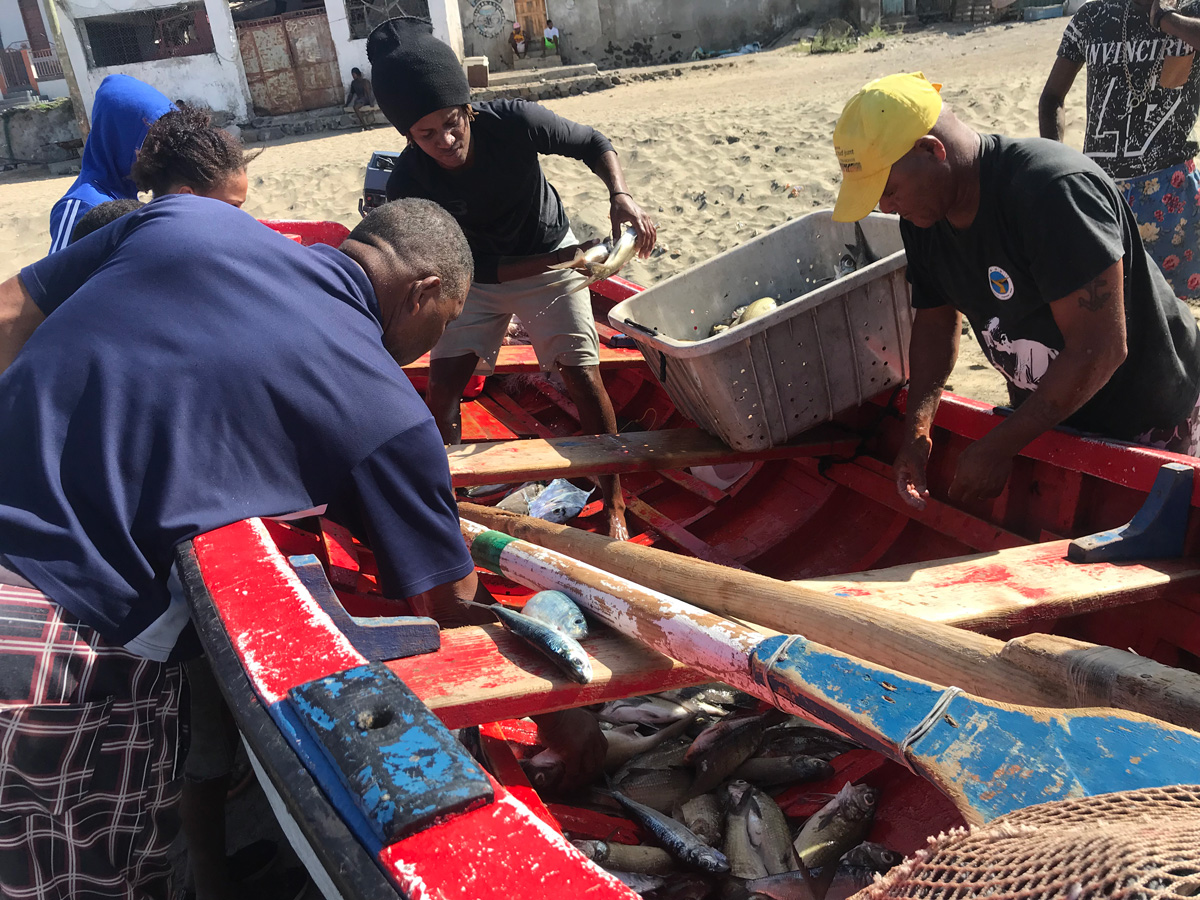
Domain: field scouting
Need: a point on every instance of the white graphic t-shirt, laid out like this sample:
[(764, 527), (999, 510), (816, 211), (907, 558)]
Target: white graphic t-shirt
[(1143, 87)]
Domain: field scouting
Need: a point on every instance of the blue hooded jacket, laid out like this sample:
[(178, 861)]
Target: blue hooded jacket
[(122, 113)]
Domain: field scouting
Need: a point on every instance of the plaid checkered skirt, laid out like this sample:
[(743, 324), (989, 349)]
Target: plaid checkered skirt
[(90, 743)]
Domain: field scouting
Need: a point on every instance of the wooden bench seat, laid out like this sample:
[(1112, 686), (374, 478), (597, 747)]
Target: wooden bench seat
[(521, 358), (991, 591), (605, 454), (484, 674)]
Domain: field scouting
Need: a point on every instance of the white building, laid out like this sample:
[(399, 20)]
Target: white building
[(187, 50), (351, 21)]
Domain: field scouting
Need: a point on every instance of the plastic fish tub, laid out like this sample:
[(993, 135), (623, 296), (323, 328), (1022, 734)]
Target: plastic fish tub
[(832, 343)]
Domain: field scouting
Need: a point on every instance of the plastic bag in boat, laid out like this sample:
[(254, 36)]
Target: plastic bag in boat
[(559, 502)]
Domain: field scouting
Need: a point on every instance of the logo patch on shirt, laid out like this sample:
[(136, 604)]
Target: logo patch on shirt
[(1000, 283)]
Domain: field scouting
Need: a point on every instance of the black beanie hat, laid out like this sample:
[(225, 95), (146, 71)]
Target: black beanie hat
[(412, 72)]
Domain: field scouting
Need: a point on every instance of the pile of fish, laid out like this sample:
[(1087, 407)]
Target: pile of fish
[(856, 256), (696, 769)]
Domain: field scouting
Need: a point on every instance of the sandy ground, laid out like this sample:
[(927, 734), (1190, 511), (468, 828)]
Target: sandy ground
[(714, 154)]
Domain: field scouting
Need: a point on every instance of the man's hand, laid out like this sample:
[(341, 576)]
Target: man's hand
[(981, 472), (575, 736), (909, 469), (571, 252), (622, 209)]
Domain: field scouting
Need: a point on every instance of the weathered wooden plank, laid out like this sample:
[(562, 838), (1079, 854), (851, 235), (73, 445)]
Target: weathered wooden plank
[(521, 358), (1014, 586), (483, 673), (677, 534), (339, 556), (873, 479), (608, 454), (512, 414), (479, 424)]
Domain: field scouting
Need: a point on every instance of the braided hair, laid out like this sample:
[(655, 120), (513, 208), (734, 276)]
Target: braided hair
[(183, 147)]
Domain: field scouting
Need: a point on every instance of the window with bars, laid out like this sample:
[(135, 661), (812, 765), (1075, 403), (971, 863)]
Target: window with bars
[(365, 15), (146, 35)]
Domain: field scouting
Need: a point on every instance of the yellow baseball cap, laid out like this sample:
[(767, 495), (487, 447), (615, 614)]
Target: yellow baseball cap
[(878, 126)]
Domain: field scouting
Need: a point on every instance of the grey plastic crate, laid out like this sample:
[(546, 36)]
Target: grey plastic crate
[(829, 347)]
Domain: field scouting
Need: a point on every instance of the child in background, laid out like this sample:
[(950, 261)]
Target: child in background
[(99, 216)]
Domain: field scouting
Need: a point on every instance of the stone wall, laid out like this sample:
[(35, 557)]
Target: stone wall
[(616, 33), (32, 133)]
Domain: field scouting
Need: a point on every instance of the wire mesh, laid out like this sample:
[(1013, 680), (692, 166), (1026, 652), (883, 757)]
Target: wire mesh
[(146, 34), (365, 15), (1133, 845)]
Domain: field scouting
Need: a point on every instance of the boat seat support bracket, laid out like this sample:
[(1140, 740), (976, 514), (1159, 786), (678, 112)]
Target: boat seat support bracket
[(378, 638), (400, 765), (1157, 531)]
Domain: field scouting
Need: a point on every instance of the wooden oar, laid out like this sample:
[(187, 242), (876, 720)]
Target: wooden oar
[(988, 758), (1036, 669)]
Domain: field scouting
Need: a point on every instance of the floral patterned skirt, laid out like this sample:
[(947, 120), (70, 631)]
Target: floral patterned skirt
[(1166, 205)]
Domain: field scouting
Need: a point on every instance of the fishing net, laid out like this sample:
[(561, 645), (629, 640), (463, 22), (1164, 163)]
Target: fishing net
[(1134, 844)]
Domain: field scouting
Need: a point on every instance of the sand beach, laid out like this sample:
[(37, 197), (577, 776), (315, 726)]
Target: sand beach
[(718, 153)]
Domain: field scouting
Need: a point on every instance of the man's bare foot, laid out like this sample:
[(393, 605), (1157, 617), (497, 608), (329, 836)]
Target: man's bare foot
[(617, 529)]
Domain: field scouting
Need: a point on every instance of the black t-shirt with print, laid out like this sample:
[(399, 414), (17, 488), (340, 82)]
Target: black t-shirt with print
[(1136, 130), (1049, 222)]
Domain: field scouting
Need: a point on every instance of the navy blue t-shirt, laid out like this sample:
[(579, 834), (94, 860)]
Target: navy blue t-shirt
[(195, 368)]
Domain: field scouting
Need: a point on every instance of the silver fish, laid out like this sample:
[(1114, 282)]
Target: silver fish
[(718, 730), (643, 710), (722, 757), (804, 741), (686, 886), (772, 771), (660, 789), (674, 837), (857, 255), (702, 816), (840, 824), (870, 855), (603, 260), (637, 882), (563, 651), (796, 885), (625, 743), (556, 609), (848, 881), (757, 839), (628, 857)]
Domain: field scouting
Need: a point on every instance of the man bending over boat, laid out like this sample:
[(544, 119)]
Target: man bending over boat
[(480, 161), (177, 370), (1033, 243)]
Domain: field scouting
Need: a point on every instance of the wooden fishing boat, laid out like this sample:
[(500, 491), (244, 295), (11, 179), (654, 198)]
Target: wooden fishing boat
[(328, 687)]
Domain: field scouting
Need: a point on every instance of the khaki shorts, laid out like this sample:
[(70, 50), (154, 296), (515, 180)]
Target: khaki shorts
[(562, 330)]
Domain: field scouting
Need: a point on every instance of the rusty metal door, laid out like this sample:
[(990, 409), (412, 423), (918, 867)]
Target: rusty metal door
[(314, 59), (290, 63)]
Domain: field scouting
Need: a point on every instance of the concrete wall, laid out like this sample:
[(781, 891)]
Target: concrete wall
[(216, 80), (643, 32), (447, 26), (33, 133), (486, 25)]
